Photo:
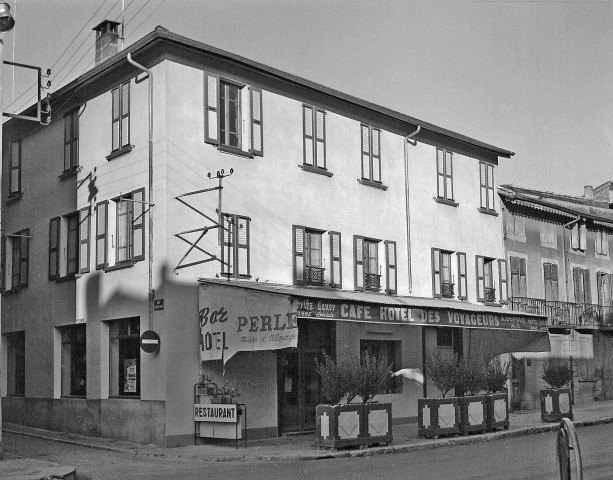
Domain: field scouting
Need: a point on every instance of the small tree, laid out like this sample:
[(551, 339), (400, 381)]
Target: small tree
[(557, 373), (495, 376), (442, 370), (470, 378), (333, 377), (371, 374)]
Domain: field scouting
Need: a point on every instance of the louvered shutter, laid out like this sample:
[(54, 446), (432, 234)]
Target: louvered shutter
[(15, 176), (547, 280), (502, 276), (125, 114), (600, 287), (490, 187), (358, 249), (436, 272), (211, 109), (605, 242), (335, 260), (555, 292), (366, 165), (440, 172), (582, 236), (15, 265), (257, 136), (24, 257), (376, 155), (115, 118), (54, 242), (574, 236), (68, 125), (320, 154), (390, 264), (514, 264), (523, 287), (138, 225), (84, 229), (483, 182), (448, 175), (587, 290), (242, 246), (299, 260), (227, 246), (578, 285), (462, 282), (309, 140), (101, 235), (480, 278)]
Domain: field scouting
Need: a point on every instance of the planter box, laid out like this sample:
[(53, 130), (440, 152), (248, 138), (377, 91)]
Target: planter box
[(438, 416), (497, 411), (377, 423), (473, 413), (555, 404)]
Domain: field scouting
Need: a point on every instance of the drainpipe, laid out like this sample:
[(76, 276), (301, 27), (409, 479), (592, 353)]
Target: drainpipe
[(407, 139), (151, 292)]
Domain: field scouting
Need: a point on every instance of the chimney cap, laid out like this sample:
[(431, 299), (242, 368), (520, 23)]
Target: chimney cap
[(106, 25)]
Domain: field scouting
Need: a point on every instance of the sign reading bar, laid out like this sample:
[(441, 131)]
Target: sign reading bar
[(208, 412)]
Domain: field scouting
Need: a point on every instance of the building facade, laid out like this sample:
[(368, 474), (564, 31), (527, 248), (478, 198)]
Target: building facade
[(368, 229)]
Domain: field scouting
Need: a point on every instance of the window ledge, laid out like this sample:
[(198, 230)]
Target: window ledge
[(487, 211), (235, 151), (71, 172), (446, 201), (68, 278), (73, 397), (318, 170), (119, 266), (13, 198), (493, 304), (14, 290), (118, 153), (370, 183)]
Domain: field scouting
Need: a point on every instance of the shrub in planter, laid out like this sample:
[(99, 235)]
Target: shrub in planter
[(473, 407), (497, 399), (555, 401)]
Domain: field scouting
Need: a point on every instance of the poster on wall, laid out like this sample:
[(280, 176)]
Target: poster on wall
[(129, 367), (234, 319)]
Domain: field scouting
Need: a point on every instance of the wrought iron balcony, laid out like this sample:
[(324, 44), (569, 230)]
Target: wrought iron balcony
[(447, 289), (565, 313), (372, 281), (314, 275), (490, 294)]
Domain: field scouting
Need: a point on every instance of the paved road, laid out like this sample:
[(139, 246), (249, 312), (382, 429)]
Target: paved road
[(527, 457)]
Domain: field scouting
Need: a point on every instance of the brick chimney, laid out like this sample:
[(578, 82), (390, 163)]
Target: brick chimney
[(588, 192), (107, 40)]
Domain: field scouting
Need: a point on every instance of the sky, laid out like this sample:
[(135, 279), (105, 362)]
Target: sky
[(531, 76)]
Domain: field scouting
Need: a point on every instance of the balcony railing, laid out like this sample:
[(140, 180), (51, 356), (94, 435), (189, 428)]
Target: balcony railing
[(566, 313), (372, 281), (447, 290), (490, 294), (314, 275)]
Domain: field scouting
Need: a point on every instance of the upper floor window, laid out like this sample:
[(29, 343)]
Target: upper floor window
[(602, 242), (367, 272), (233, 116), (444, 174), (371, 156), (308, 258), (443, 278), (605, 288), (15, 262), (516, 226), (69, 244), (548, 235), (120, 121), (235, 258), (15, 173), (550, 278), (519, 286), (578, 237), (314, 139), (486, 175), (486, 287), (581, 283), (71, 140)]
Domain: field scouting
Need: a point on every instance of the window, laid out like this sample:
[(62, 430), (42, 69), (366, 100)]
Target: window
[(69, 244), (314, 139), (516, 227), (120, 232), (486, 173), (390, 267), (581, 285), (73, 371), (444, 173), (462, 281), (390, 352), (548, 235), (71, 140), (550, 276), (602, 242), (519, 287), (308, 268), (371, 156), (124, 361), (16, 364), (585, 357), (366, 272), (15, 260), (578, 237), (442, 279), (233, 116), (336, 277), (444, 336), (605, 288), (120, 121), (486, 290), (235, 246), (15, 174)]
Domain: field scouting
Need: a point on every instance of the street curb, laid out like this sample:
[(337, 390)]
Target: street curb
[(329, 454)]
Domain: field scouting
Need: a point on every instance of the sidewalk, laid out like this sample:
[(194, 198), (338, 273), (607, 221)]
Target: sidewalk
[(302, 447)]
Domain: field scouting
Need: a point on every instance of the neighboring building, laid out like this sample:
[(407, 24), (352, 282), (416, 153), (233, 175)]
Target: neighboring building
[(559, 253), (333, 232)]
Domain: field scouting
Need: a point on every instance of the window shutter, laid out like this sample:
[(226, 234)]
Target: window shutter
[(84, 229), (125, 114), (390, 266), (440, 172), (54, 243), (299, 259), (490, 187), (320, 154), (448, 175), (358, 249), (138, 225), (555, 292), (2, 262), (366, 173), (483, 182), (335, 260), (115, 118), (587, 290), (578, 285), (502, 273), (227, 245), (436, 272), (309, 146), (523, 287), (257, 139), (605, 242), (242, 245), (514, 265), (547, 281), (376, 155), (67, 139), (101, 234), (480, 278), (600, 287), (24, 257), (462, 282), (211, 109), (582, 236), (574, 236)]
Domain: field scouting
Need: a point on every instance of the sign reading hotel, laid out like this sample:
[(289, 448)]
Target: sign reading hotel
[(239, 320)]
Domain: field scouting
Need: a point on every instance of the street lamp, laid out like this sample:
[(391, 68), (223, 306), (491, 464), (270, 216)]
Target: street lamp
[(7, 22)]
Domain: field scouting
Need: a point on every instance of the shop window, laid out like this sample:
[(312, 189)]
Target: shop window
[(366, 266), (235, 255), (444, 337), (585, 357), (390, 352), (15, 261), (308, 269), (124, 360), (73, 371), (16, 364)]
